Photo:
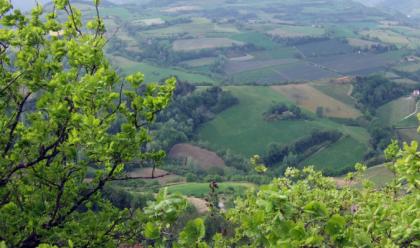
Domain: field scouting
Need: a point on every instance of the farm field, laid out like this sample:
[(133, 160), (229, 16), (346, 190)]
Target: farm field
[(156, 73), (197, 27), (308, 97), (202, 189), (288, 31), (339, 91), (283, 73), (199, 62), (408, 134), (324, 48), (204, 158), (258, 39), (234, 67), (338, 155), (301, 48), (253, 134), (203, 43), (379, 174), (359, 64), (387, 36), (360, 43), (394, 112)]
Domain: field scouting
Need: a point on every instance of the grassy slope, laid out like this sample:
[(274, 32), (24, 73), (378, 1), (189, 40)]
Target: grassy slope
[(344, 153), (155, 73), (338, 91), (243, 129), (395, 111)]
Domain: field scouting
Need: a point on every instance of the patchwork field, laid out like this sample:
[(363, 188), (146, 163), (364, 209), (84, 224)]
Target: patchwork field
[(204, 158), (339, 91), (203, 43), (289, 31), (252, 134), (310, 98), (258, 39), (198, 27), (387, 36)]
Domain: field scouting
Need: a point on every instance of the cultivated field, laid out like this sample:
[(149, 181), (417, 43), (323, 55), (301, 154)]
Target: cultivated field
[(324, 48), (408, 134), (243, 130), (360, 43), (338, 91), (203, 43), (198, 27), (394, 112), (155, 73), (387, 36), (240, 66), (204, 158), (310, 98), (358, 64), (289, 31), (199, 62), (282, 73), (342, 154)]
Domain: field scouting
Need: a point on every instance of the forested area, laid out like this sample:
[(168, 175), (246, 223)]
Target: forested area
[(374, 91), (188, 109), (70, 126)]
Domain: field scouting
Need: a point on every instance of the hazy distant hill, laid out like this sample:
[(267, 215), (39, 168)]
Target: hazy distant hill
[(407, 7)]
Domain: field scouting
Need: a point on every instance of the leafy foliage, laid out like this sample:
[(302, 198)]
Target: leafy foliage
[(59, 109), (59, 99)]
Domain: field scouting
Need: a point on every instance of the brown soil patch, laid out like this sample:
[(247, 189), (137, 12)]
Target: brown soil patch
[(204, 158)]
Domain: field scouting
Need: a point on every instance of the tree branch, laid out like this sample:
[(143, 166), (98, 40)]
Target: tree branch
[(14, 125)]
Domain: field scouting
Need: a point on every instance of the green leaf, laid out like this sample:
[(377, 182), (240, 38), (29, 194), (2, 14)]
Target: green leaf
[(151, 231), (335, 225), (193, 232), (317, 209)]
